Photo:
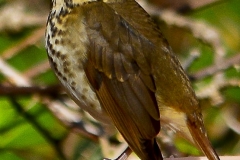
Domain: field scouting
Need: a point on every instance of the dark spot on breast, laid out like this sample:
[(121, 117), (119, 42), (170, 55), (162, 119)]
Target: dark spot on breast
[(65, 70), (50, 46), (54, 31), (48, 38), (83, 97), (66, 63), (84, 91), (63, 57), (51, 21), (67, 41), (64, 78), (63, 12), (59, 19), (70, 74), (50, 59), (60, 32), (58, 54), (73, 45), (73, 88), (53, 52), (73, 83), (69, 4), (56, 41), (88, 2), (62, 41), (92, 105), (54, 65), (58, 73)]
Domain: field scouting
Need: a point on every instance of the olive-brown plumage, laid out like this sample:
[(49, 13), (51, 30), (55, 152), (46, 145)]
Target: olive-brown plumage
[(115, 64)]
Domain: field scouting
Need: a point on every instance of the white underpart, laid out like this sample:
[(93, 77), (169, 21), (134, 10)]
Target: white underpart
[(83, 93)]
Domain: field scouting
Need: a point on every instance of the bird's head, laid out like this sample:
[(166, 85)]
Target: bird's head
[(69, 2)]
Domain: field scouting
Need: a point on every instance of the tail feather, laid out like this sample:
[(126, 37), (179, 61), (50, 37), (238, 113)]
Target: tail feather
[(150, 150), (197, 130)]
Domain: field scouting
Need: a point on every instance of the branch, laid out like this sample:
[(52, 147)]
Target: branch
[(15, 90), (37, 69), (215, 68), (30, 40)]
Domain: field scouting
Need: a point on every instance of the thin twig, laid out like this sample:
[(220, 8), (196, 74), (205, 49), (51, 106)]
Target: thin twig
[(213, 69), (16, 90), (13, 75), (30, 40), (37, 69)]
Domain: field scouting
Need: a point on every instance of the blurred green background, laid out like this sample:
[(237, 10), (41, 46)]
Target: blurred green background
[(39, 121)]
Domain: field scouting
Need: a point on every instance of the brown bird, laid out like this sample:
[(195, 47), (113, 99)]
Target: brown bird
[(116, 65)]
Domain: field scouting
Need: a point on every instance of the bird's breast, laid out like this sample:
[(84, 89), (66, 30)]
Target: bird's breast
[(66, 43)]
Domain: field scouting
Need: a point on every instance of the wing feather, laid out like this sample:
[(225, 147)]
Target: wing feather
[(126, 88), (121, 73)]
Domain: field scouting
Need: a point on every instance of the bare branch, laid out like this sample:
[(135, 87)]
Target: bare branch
[(215, 68), (30, 40), (14, 90), (37, 69)]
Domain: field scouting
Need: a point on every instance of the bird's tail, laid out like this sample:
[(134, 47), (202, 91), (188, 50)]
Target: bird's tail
[(157, 151), (197, 130), (150, 150)]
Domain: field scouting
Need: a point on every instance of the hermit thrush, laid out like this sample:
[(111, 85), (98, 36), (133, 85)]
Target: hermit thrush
[(116, 65)]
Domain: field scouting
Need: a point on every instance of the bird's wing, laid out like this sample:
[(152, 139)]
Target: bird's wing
[(120, 73), (176, 99)]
